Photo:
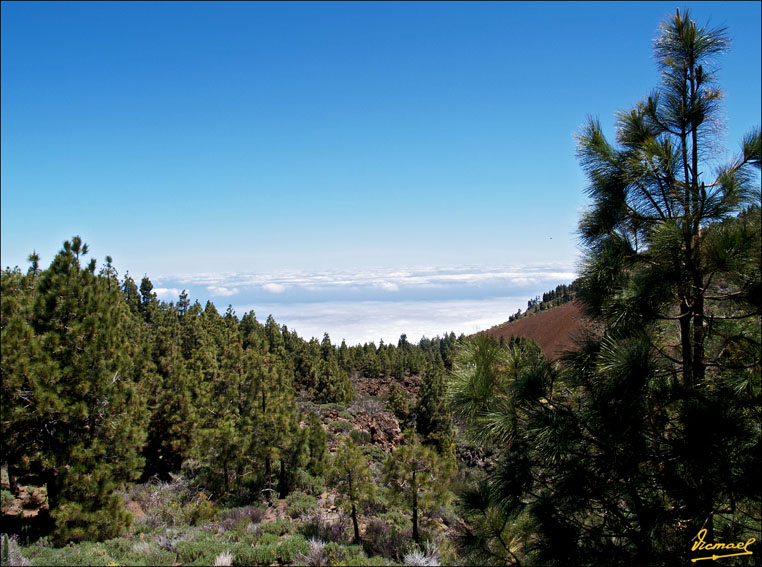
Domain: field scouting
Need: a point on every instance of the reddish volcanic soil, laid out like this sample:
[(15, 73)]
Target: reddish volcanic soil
[(554, 330)]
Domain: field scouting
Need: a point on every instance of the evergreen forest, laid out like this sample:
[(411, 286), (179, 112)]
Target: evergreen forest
[(143, 432)]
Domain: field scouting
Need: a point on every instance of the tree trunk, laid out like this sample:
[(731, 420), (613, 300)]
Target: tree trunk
[(699, 333), (686, 346), (416, 535), (269, 477), (283, 484), (355, 525)]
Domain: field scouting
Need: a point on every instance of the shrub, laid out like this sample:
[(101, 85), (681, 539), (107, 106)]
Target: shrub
[(278, 527), (267, 539), (308, 483), (299, 504), (291, 548), (83, 554), (203, 552), (360, 437), (235, 516), (318, 526), (224, 559), (385, 538), (6, 500), (199, 510), (374, 453), (314, 556), (325, 408), (340, 426), (162, 502), (141, 553), (427, 557), (368, 405), (169, 539), (10, 554), (395, 518), (338, 554), (259, 555)]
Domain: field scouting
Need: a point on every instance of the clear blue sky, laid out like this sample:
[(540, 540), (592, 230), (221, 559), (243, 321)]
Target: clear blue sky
[(201, 137)]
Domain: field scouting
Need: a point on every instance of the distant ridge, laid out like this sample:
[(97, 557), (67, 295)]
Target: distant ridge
[(553, 329)]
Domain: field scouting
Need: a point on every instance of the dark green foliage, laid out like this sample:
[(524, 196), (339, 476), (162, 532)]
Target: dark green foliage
[(433, 418), (76, 410), (206, 551), (649, 430), (316, 445), (299, 503), (418, 477), (329, 381), (350, 476), (398, 403)]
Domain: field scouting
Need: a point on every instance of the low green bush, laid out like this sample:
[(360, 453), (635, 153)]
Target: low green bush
[(199, 510), (6, 499), (197, 552), (308, 483), (278, 527), (292, 547), (338, 554), (299, 503), (82, 554), (374, 453), (340, 426), (267, 539), (360, 437), (259, 555), (139, 553)]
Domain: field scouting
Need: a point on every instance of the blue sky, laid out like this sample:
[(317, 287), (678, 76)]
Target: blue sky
[(257, 138)]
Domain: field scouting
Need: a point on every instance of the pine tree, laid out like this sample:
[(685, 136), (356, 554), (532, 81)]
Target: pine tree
[(433, 418), (21, 364), (418, 477), (648, 432), (148, 301), (174, 415), (331, 383), (131, 294), (669, 261), (82, 402), (351, 478), (398, 403), (317, 446), (275, 420)]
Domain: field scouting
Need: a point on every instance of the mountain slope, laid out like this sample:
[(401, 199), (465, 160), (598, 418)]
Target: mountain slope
[(553, 329)]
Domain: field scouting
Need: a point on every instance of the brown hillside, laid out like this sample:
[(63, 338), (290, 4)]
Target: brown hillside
[(554, 330)]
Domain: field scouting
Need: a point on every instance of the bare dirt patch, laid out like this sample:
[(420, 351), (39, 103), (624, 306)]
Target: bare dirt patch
[(554, 329)]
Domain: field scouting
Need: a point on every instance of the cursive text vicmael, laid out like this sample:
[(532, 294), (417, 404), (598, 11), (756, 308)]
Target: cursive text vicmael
[(701, 544)]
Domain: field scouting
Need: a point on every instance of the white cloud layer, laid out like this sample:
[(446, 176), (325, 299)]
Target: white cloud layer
[(388, 286), (274, 287), (378, 303), (375, 283), (222, 291), (167, 293), (368, 321)]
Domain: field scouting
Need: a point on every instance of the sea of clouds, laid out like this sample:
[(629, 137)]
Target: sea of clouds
[(370, 304)]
